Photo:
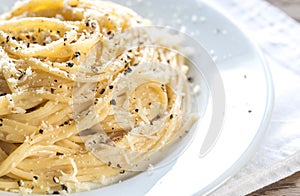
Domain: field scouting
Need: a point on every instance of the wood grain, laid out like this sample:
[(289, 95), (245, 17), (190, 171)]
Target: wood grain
[(289, 186)]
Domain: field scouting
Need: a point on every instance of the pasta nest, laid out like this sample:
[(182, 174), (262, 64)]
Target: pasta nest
[(88, 97)]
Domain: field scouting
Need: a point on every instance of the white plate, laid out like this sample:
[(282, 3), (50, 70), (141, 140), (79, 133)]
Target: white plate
[(249, 101)]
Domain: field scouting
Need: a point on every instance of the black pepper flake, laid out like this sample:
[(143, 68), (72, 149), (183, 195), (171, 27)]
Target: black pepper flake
[(27, 36), (119, 166), (1, 124), (28, 45), (109, 164), (21, 76), (2, 42), (3, 94), (55, 179), (7, 39), (93, 24), (44, 44), (20, 183), (111, 36), (109, 32), (13, 38), (112, 102), (70, 64), (64, 187), (59, 153), (110, 86), (55, 193), (128, 70), (17, 48), (58, 32), (136, 110), (41, 131), (77, 54), (157, 117), (39, 30), (102, 91), (149, 103), (52, 90), (55, 80), (171, 116), (122, 172), (1, 120), (249, 111), (190, 79), (35, 177), (87, 24)]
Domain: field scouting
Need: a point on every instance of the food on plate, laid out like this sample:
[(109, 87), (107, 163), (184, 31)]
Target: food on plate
[(86, 98)]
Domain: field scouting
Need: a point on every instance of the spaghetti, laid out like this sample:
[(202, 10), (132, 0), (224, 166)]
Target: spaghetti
[(78, 106)]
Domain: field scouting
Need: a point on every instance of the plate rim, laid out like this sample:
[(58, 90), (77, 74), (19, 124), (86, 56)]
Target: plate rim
[(268, 110)]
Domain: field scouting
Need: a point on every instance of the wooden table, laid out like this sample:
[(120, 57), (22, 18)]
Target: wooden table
[(289, 186)]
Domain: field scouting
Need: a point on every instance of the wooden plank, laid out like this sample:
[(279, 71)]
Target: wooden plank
[(289, 186)]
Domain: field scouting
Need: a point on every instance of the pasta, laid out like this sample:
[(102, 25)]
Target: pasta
[(84, 100)]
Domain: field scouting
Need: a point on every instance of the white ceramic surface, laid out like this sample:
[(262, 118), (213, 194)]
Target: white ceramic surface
[(249, 100)]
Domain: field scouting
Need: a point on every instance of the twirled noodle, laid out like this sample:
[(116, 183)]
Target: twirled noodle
[(78, 105)]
